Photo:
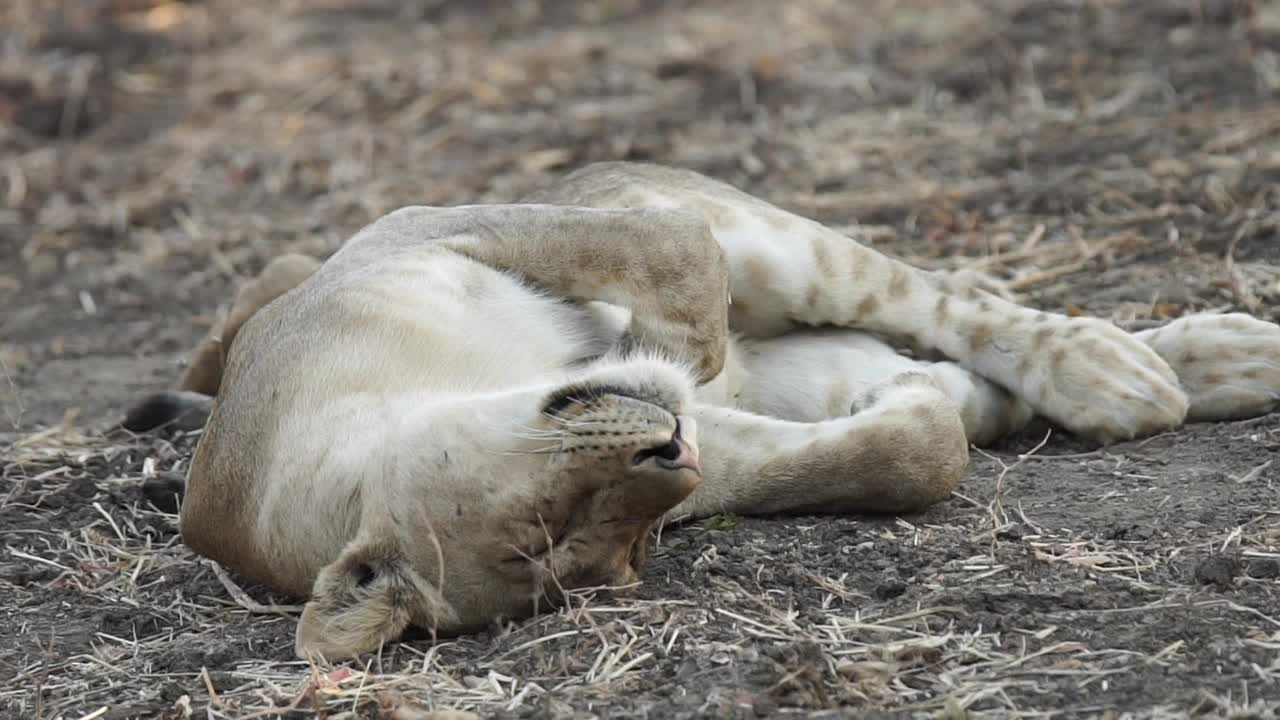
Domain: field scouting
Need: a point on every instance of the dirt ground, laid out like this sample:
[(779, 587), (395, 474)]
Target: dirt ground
[(1116, 159)]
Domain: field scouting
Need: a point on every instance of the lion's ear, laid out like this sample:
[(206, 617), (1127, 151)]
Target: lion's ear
[(365, 598)]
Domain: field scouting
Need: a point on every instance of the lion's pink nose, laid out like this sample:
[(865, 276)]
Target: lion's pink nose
[(678, 453), (686, 438)]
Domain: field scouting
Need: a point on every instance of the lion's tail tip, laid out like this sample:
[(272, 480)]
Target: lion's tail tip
[(171, 410)]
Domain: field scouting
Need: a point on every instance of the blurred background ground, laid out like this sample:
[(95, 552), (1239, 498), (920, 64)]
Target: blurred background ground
[(1106, 157)]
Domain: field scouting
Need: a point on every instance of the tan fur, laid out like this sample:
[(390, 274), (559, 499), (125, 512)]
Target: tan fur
[(452, 419)]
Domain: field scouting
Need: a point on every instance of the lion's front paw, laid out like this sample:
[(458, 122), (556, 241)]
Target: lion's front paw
[(1228, 364), (1098, 381)]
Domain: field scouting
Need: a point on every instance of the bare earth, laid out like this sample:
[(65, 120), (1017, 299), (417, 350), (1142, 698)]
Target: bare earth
[(1116, 159)]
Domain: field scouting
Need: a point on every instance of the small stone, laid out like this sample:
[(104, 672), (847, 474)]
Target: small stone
[(1264, 568), (1217, 570), (888, 589)]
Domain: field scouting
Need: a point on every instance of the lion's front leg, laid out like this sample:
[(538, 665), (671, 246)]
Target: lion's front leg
[(663, 265)]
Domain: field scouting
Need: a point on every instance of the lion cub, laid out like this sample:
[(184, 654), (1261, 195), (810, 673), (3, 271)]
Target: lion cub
[(466, 410)]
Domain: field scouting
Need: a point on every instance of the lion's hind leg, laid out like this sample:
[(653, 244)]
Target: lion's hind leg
[(187, 405), (1228, 364), (810, 376)]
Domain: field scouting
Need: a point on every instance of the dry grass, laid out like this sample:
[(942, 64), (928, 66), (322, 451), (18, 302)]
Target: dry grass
[(1111, 159), (844, 648)]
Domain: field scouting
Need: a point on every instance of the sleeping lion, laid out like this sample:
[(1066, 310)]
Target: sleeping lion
[(467, 410)]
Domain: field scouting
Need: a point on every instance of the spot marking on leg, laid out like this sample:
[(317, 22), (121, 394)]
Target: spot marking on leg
[(899, 283), (980, 337), (757, 274), (1024, 366), (822, 259), (811, 296), (869, 305), (941, 311)]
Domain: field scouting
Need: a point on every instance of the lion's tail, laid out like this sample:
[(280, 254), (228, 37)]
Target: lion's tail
[(187, 406)]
